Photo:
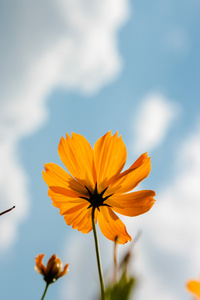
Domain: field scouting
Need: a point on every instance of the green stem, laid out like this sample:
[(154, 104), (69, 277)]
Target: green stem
[(47, 285), (98, 256)]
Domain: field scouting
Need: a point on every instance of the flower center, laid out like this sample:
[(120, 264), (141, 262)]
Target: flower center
[(95, 199)]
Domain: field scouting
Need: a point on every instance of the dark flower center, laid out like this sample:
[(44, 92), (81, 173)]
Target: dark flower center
[(96, 199)]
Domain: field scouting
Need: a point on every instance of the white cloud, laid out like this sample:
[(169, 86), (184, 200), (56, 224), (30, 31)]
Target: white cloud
[(153, 120), (45, 45), (79, 251), (83, 273), (13, 191)]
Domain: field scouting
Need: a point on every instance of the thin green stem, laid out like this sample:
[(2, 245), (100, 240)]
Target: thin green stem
[(47, 285), (98, 256)]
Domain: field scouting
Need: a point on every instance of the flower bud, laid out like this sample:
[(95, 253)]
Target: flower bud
[(53, 270)]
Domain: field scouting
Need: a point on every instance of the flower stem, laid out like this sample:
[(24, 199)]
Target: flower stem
[(47, 285), (98, 256)]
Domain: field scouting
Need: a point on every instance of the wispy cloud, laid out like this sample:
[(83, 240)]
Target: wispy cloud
[(13, 191), (83, 277), (72, 44), (153, 120), (79, 250)]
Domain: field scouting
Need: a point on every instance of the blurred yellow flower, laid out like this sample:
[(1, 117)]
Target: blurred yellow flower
[(96, 182), (194, 287), (53, 270)]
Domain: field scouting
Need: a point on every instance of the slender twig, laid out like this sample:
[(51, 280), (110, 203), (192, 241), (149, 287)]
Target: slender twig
[(115, 275), (98, 255), (47, 285), (5, 211), (127, 256)]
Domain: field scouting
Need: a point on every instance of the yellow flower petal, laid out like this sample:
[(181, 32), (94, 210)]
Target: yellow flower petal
[(130, 178), (55, 175), (65, 271), (80, 219), (111, 226), (77, 155), (132, 204), (109, 158), (194, 287), (66, 207), (62, 199), (39, 267)]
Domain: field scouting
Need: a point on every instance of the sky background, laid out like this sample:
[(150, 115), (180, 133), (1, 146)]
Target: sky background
[(90, 66)]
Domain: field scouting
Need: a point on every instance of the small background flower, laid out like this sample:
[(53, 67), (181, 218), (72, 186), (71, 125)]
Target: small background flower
[(193, 286)]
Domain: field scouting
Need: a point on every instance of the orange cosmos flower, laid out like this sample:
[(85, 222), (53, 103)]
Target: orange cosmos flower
[(53, 270), (194, 287), (97, 181)]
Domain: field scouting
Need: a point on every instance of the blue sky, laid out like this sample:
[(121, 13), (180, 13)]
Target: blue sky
[(89, 67)]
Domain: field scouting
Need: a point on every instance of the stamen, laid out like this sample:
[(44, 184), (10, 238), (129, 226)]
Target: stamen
[(95, 199)]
